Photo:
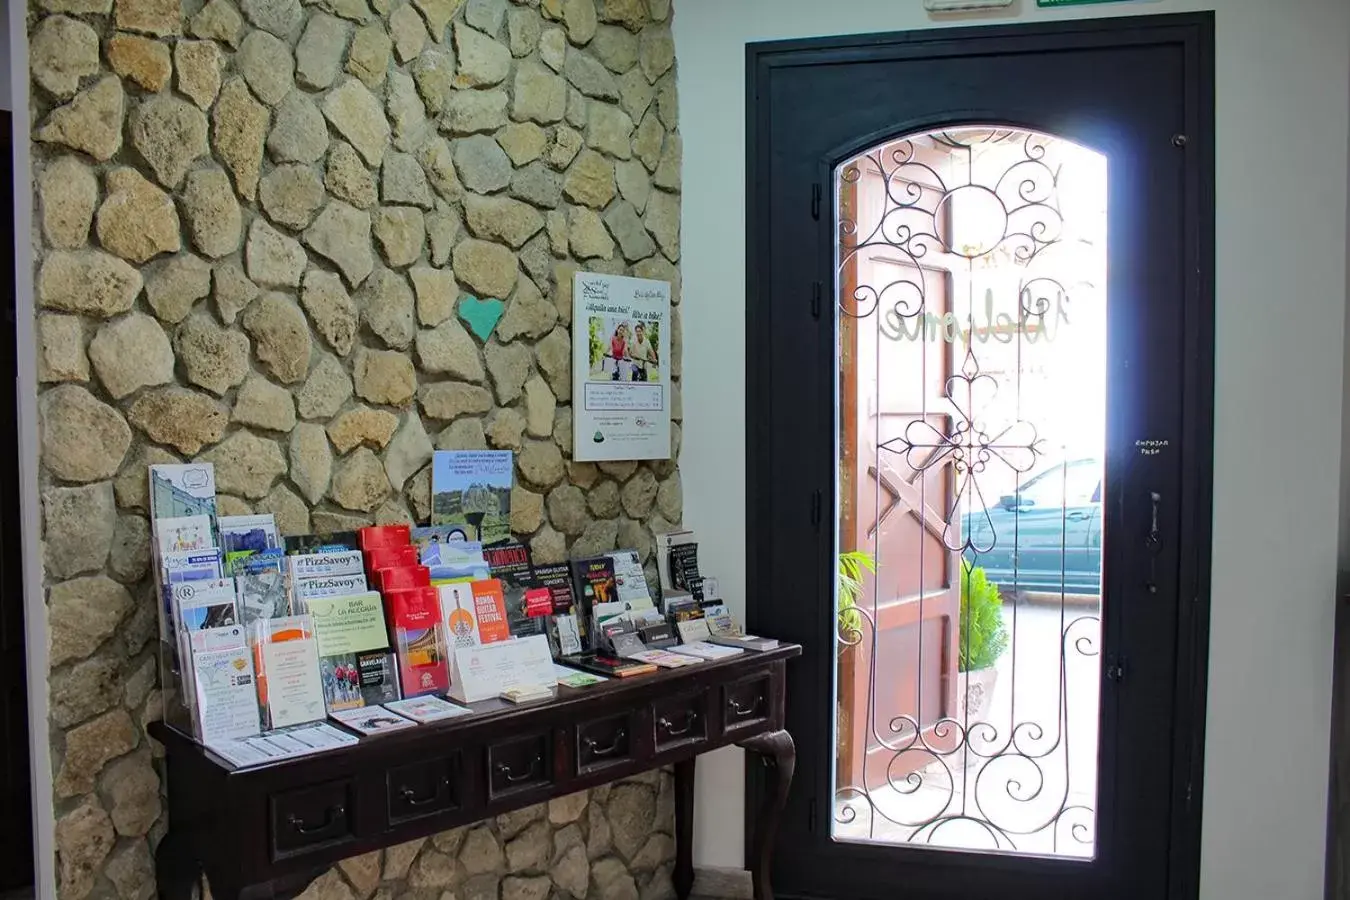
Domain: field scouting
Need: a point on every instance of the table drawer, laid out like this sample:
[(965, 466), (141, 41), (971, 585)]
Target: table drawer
[(745, 703), (605, 742), (312, 817), (424, 788), (680, 720), (520, 764)]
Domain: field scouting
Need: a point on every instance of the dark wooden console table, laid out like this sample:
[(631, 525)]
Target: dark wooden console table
[(268, 831)]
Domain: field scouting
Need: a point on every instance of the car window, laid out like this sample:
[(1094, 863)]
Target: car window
[(1074, 484)]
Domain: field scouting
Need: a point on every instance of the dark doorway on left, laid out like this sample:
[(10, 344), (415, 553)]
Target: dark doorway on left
[(16, 819)]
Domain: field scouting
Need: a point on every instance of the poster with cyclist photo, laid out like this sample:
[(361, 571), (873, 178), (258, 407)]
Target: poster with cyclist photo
[(620, 368)]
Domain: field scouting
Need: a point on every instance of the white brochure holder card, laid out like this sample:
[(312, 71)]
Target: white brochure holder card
[(484, 672)]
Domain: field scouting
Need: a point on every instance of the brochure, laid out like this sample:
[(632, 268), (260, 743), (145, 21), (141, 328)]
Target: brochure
[(574, 678), (629, 580), (564, 635), (329, 586), (471, 489), (183, 533), (620, 368), (490, 610), (181, 567), (693, 631), (349, 624), (664, 658), (178, 490), (526, 602), (288, 682), (354, 680), (243, 536), (280, 745), (320, 543), (558, 579), (448, 556), (331, 564), (261, 587), (371, 719), (609, 666), (419, 639), (428, 709), (705, 650), (457, 605), (206, 604), (226, 697)]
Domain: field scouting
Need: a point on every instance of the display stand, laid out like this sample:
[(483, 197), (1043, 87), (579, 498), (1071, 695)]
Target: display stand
[(269, 831)]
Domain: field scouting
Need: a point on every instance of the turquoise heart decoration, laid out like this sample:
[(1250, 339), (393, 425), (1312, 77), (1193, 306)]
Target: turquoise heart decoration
[(481, 315)]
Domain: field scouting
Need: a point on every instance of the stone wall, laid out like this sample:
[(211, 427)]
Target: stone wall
[(260, 228)]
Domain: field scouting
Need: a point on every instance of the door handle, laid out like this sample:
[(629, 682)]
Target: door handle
[(1077, 516)]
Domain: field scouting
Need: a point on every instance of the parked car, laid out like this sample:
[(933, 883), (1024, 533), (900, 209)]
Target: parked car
[(1045, 538)]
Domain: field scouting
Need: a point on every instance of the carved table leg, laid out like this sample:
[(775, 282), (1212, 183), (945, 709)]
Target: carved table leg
[(176, 872), (683, 875), (779, 755)]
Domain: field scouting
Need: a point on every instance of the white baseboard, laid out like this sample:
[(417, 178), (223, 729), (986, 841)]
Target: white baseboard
[(722, 884)]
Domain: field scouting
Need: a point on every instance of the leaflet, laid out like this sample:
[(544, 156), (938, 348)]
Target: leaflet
[(226, 695), (294, 692), (327, 565)]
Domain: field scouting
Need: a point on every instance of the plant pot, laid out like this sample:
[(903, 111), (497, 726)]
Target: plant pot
[(975, 694)]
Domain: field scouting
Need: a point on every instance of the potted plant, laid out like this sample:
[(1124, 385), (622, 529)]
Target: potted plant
[(852, 565), (984, 638)]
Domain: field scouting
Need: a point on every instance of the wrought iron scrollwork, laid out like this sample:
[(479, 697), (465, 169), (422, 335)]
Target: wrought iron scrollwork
[(995, 779)]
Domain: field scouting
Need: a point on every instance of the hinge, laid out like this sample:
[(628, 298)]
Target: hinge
[(815, 508), (816, 290), (1117, 670), (811, 816), (1188, 796), (815, 201)]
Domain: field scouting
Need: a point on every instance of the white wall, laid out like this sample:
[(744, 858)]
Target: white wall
[(1282, 74)]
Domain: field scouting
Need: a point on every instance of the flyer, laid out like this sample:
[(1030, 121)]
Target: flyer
[(620, 368), (471, 490)]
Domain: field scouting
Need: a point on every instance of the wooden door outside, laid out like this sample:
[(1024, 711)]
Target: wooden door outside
[(899, 653)]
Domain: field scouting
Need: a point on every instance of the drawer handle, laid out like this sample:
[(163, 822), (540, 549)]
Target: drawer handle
[(691, 717), (410, 796), (329, 819), (600, 752), (512, 777), (743, 711)]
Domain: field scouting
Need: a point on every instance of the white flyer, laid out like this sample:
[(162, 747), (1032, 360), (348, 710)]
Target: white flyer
[(227, 698), (620, 368)]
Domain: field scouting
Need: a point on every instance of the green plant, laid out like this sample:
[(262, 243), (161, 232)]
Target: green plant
[(852, 564), (983, 634)]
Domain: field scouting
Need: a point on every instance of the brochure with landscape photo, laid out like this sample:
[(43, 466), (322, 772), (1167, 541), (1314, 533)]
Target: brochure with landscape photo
[(471, 490)]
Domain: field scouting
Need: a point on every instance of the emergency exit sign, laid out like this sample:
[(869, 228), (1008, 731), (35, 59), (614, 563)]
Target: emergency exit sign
[(1054, 3)]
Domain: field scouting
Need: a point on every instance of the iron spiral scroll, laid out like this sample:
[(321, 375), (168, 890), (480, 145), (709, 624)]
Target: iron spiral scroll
[(1006, 781)]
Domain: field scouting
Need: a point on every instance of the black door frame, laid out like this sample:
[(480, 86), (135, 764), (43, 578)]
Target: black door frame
[(1195, 33)]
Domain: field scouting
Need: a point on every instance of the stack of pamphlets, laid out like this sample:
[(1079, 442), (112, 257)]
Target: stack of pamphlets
[(427, 709), (243, 536), (372, 719), (331, 573), (705, 650), (356, 666), (286, 657), (280, 745)]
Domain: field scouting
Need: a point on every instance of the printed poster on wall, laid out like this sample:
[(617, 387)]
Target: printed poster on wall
[(620, 368)]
